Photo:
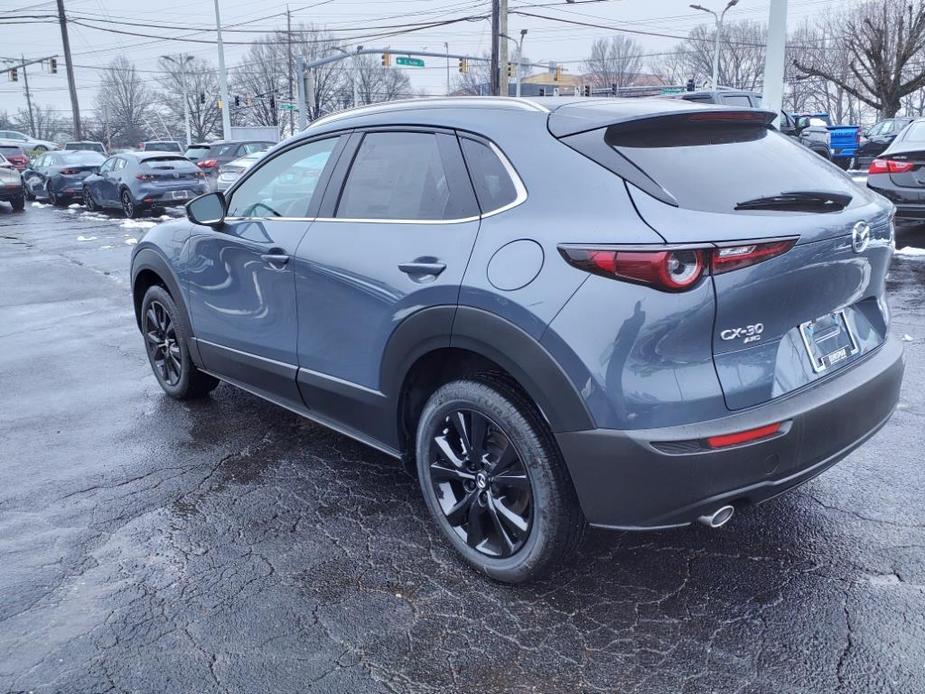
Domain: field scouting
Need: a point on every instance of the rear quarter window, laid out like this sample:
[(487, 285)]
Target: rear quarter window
[(493, 185)]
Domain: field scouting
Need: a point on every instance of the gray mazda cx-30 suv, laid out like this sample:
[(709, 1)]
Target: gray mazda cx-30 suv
[(631, 314)]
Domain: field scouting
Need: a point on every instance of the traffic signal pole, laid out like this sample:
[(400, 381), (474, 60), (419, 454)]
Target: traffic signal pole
[(25, 79)]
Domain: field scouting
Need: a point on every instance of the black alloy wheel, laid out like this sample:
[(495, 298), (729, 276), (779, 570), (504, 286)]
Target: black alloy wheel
[(89, 202), (163, 346), (481, 484)]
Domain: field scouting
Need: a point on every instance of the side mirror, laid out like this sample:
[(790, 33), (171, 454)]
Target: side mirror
[(802, 123), (208, 210)]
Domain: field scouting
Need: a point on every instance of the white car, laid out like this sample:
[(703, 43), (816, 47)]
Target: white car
[(28, 143), (233, 170)]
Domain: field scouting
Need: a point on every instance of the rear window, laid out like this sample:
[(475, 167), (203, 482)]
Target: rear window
[(82, 158), (162, 147), (196, 152), (713, 167), (178, 163), (914, 133), (10, 151), (223, 150)]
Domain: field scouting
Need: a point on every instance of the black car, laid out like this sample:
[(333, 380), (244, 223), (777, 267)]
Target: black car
[(58, 176), (197, 151), (138, 181), (899, 172), (229, 150), (877, 138)]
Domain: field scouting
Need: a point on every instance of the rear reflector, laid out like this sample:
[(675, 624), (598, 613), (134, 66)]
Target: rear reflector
[(739, 437), (890, 166)]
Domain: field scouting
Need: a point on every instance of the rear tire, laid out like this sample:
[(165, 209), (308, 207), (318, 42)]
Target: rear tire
[(129, 208), (167, 346), (19, 204), (54, 199), (89, 202), (522, 517)]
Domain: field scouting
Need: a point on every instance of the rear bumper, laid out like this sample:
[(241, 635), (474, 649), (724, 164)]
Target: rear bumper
[(164, 196), (910, 211), (624, 482)]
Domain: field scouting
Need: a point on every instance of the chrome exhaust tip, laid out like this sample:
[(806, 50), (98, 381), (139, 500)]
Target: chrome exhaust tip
[(718, 518)]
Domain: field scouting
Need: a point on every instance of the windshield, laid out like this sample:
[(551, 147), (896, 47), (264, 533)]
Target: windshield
[(162, 147), (714, 167), (82, 158)]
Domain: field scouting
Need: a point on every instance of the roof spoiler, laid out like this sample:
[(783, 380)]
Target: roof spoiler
[(565, 122)]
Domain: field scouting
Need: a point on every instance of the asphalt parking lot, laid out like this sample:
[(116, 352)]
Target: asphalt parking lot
[(148, 545)]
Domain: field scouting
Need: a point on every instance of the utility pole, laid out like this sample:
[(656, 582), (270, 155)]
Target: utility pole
[(222, 78), (718, 34), (289, 42), (25, 77), (773, 97), (446, 45), (72, 87), (495, 79), (504, 82)]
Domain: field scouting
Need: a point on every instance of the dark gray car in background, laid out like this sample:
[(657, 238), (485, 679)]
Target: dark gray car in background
[(58, 176), (226, 151), (898, 173), (547, 309), (136, 182)]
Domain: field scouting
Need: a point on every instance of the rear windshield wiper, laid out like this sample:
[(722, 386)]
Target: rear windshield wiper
[(810, 200)]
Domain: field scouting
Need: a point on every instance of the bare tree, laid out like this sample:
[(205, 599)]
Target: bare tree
[(374, 82), (124, 103), (883, 40), (201, 97), (476, 80), (48, 124), (614, 61)]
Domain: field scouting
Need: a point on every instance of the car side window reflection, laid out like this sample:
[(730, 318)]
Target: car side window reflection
[(283, 186)]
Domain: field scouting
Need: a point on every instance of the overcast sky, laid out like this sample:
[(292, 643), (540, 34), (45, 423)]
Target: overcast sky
[(546, 40)]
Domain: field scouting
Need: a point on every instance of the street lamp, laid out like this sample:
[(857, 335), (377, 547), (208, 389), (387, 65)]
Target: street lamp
[(719, 30), (181, 63), (520, 54)]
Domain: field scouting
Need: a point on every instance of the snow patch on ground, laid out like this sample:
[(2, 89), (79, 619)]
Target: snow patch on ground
[(908, 338), (135, 224), (86, 238), (74, 206), (40, 204), (106, 247), (911, 252), (131, 240)]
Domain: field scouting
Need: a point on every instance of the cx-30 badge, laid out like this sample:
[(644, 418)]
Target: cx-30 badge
[(860, 237), (749, 333)]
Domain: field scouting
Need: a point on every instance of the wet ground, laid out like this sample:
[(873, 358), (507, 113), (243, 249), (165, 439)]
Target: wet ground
[(148, 545)]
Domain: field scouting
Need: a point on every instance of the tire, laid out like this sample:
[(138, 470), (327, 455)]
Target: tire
[(19, 204), (28, 192), (511, 532), (53, 198), (89, 202), (40, 148), (129, 208), (166, 344)]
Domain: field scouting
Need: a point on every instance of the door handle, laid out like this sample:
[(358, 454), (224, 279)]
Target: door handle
[(419, 269), (277, 261)]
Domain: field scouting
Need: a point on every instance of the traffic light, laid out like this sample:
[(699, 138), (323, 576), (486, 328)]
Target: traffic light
[(463, 65), (237, 101), (14, 75), (386, 60), (273, 102), (202, 97), (53, 65), (558, 74), (613, 88), (586, 90), (510, 69), (690, 85)]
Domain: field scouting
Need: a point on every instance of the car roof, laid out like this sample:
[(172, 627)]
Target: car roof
[(566, 115)]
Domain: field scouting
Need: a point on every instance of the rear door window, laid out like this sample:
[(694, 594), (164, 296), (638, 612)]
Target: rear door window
[(713, 167), (402, 176), (493, 185)]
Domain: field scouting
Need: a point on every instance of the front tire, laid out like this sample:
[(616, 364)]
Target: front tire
[(494, 480), (166, 343)]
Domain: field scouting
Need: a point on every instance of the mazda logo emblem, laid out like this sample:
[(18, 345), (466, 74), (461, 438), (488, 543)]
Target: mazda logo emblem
[(860, 237)]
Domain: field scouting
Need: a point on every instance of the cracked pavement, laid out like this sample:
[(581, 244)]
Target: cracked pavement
[(230, 546)]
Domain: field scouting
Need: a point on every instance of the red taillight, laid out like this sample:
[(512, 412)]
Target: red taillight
[(144, 177), (892, 166), (207, 163), (730, 258), (69, 172), (671, 271), (743, 436)]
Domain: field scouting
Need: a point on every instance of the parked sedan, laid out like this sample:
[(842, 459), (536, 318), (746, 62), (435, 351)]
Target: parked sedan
[(28, 143), (899, 172), (161, 146), (232, 171), (197, 151), (11, 188), (701, 328), (58, 176), (85, 146), (227, 151), (14, 154), (139, 181), (877, 138)]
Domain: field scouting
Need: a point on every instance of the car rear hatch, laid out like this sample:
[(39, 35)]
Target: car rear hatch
[(798, 252), (169, 171)]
